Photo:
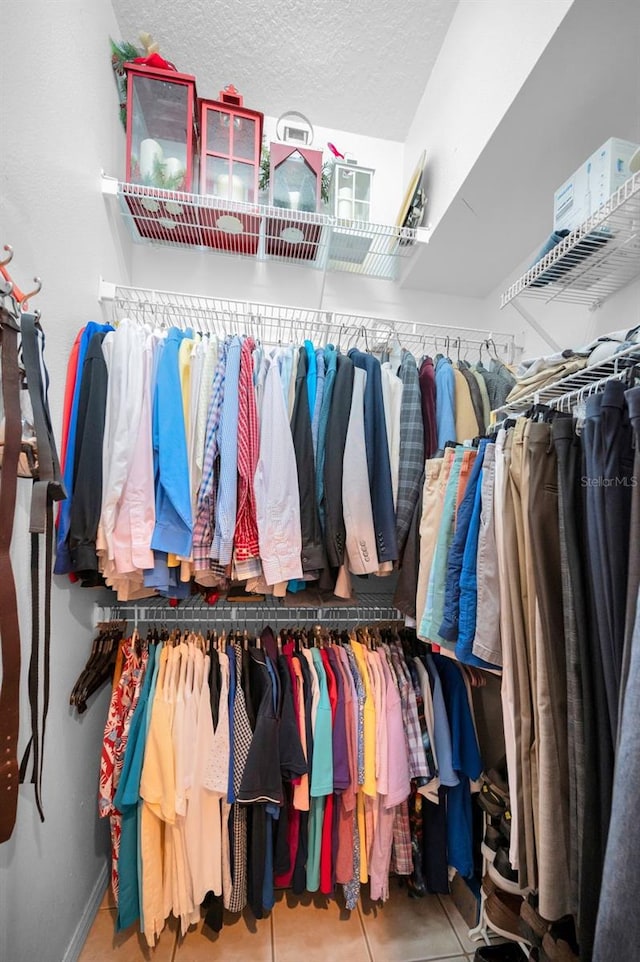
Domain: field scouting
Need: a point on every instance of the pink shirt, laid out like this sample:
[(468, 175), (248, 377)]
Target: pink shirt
[(399, 782)]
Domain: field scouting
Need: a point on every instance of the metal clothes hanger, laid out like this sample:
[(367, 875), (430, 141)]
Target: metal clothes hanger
[(492, 344)]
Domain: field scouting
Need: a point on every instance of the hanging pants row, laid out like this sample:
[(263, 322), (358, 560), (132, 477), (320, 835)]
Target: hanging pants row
[(563, 503)]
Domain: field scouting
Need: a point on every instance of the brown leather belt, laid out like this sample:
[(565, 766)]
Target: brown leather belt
[(9, 626)]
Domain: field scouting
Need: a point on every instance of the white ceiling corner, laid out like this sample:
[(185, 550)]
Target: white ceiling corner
[(354, 66)]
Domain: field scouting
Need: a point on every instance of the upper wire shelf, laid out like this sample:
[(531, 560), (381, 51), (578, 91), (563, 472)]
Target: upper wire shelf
[(321, 241), (595, 260), (196, 610), (274, 324), (564, 393)]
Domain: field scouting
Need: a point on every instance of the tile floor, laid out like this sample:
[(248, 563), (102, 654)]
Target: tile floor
[(309, 928)]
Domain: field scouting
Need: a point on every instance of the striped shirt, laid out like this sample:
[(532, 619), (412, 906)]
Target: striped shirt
[(246, 529), (203, 527), (227, 500)]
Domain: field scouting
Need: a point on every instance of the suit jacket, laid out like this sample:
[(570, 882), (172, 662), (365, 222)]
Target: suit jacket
[(379, 468), (336, 435), (313, 557), (411, 448)]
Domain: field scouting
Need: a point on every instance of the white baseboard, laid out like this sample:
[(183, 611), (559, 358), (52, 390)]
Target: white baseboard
[(86, 921)]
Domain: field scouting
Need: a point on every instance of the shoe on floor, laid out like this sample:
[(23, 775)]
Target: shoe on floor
[(508, 952)]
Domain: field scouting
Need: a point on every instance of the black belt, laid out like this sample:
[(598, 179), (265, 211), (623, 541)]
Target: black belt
[(46, 489)]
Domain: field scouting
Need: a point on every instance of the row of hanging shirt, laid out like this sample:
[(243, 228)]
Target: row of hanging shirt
[(230, 771), (187, 457)]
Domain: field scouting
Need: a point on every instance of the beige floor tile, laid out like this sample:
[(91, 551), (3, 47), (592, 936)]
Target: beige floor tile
[(461, 927), (315, 929), (129, 946), (448, 958), (408, 930), (459, 924), (242, 937)]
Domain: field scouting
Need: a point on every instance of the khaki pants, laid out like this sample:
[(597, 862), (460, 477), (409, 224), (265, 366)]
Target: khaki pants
[(550, 680), (437, 472), (509, 690), (516, 575)]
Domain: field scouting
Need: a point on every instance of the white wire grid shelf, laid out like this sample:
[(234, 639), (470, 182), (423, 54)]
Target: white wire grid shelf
[(565, 393), (593, 262), (367, 609), (274, 324), (321, 241)]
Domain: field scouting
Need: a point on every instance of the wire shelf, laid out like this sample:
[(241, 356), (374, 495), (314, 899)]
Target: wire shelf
[(272, 611), (594, 261), (274, 324), (565, 392), (321, 241)]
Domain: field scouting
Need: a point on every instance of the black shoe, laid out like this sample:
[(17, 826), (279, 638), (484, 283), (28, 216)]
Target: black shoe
[(502, 873), (508, 952), (492, 801), (499, 776), (505, 824), (493, 840)]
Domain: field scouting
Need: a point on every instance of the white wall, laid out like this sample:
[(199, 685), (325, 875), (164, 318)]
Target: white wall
[(59, 127), (490, 49)]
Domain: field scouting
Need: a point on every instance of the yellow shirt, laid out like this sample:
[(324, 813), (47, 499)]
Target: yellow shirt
[(370, 786), (466, 421), (157, 788)]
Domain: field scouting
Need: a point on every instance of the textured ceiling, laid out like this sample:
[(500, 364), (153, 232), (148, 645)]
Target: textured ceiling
[(355, 66)]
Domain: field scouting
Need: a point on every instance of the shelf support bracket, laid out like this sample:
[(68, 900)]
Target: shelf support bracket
[(537, 327)]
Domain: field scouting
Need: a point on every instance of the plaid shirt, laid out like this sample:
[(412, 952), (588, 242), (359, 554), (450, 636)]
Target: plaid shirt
[(246, 531), (411, 448), (203, 527), (401, 857), (417, 759)]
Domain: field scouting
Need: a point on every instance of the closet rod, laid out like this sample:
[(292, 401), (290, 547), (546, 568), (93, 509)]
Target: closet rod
[(566, 402), (196, 611), (594, 377), (278, 322)]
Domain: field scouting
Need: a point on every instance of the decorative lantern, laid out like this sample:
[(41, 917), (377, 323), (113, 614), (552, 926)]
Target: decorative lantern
[(161, 127), (295, 177), (351, 191), (295, 181), (231, 141)]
